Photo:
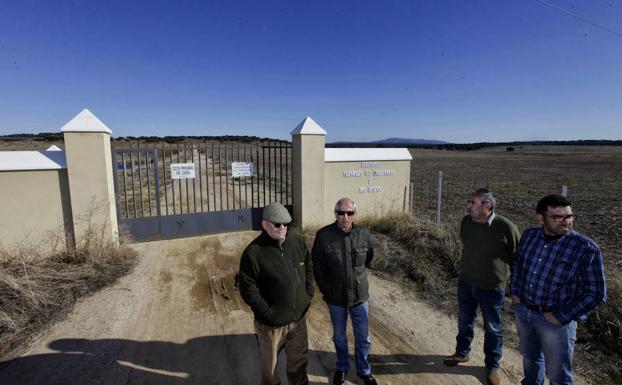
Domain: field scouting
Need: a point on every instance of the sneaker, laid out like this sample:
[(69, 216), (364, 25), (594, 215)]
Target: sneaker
[(455, 359), (339, 377), (368, 378), (492, 376)]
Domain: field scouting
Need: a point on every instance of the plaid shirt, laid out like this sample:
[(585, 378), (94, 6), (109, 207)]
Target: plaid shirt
[(565, 274)]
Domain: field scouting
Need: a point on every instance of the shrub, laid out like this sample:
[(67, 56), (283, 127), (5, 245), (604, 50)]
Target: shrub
[(424, 252), (603, 329)]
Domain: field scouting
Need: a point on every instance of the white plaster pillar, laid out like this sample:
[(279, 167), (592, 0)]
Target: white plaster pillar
[(90, 175), (308, 141)]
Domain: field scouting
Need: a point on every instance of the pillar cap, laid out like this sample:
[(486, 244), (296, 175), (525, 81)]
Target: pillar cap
[(85, 121), (308, 127)]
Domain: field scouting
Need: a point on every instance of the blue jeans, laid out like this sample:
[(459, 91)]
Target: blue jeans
[(362, 343), (491, 304), (546, 348)]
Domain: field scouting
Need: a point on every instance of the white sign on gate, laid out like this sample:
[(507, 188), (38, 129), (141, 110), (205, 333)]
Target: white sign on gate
[(182, 170), (239, 169)]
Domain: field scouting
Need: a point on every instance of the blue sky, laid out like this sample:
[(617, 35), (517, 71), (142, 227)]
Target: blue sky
[(454, 70)]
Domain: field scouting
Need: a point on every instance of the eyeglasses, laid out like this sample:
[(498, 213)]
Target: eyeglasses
[(561, 218), (341, 213), (277, 225)]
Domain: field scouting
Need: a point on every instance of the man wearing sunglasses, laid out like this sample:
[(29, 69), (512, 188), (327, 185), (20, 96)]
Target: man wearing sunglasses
[(276, 281), (557, 280), (342, 252)]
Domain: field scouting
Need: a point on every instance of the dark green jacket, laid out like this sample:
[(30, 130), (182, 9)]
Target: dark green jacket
[(340, 262), (276, 282), (487, 252)]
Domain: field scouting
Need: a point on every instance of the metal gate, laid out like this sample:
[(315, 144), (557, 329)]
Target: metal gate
[(170, 191)]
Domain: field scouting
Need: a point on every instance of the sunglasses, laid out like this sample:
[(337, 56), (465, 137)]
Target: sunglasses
[(277, 225), (341, 213)]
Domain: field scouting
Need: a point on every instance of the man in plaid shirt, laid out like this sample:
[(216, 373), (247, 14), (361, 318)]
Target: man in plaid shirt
[(557, 279)]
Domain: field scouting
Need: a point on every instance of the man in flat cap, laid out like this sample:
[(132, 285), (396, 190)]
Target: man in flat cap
[(276, 281)]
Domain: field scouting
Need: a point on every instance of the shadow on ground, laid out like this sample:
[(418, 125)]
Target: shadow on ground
[(230, 359)]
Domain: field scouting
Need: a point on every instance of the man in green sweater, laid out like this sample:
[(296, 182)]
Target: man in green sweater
[(488, 245)]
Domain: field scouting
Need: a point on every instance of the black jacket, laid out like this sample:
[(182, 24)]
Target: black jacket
[(276, 282), (340, 262)]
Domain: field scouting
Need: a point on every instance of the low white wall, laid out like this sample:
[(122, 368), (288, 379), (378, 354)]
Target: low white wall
[(35, 209)]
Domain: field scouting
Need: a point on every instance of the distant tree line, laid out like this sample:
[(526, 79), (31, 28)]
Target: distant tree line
[(480, 145), (58, 136), (42, 136), (179, 139)]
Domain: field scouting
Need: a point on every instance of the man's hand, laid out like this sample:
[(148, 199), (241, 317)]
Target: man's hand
[(551, 318), (515, 299)]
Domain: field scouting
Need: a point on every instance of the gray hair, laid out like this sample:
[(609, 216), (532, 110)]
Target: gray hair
[(345, 200), (484, 196)]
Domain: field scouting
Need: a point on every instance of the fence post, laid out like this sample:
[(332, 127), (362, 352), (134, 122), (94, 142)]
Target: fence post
[(308, 141), (564, 190), (438, 198), (412, 197), (405, 195)]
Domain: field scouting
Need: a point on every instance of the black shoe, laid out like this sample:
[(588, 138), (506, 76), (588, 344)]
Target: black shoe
[(339, 377), (368, 378)]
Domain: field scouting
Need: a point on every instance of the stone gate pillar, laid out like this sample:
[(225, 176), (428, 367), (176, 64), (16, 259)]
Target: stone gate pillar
[(308, 140), (90, 175)]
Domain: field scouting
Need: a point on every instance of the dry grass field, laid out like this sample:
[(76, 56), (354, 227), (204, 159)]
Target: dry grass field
[(519, 178)]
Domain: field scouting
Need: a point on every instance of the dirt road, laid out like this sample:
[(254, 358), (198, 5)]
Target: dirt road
[(177, 319)]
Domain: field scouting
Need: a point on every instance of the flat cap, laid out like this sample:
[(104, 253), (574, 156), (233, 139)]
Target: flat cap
[(276, 213)]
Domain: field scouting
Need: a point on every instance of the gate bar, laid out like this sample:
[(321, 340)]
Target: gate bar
[(227, 191), (164, 178), (232, 178), (140, 184), (214, 174), (281, 172), (127, 207), (115, 167), (132, 176), (170, 149), (245, 182), (207, 190), (200, 177), (156, 172), (240, 180), (187, 188), (194, 187)]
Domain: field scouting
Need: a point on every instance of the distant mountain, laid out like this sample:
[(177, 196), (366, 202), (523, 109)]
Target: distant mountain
[(408, 141), (394, 141)]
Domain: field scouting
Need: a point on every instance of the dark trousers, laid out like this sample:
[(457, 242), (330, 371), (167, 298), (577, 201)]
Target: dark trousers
[(491, 303), (293, 338)]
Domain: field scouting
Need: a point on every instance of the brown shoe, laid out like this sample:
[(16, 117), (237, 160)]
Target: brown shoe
[(455, 359), (492, 376)]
